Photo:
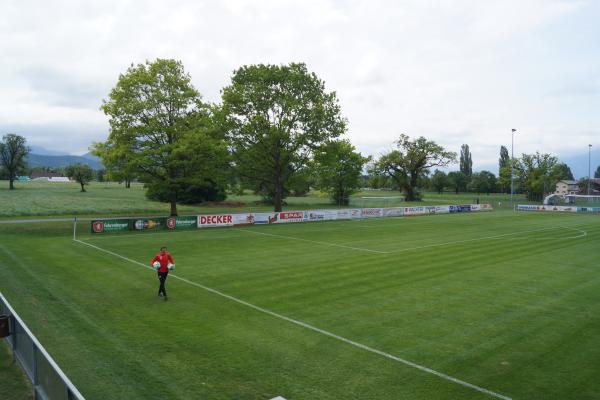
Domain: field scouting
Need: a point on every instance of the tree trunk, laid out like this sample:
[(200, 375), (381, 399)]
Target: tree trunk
[(11, 184), (173, 204), (278, 199), (127, 183), (409, 188), (82, 187)]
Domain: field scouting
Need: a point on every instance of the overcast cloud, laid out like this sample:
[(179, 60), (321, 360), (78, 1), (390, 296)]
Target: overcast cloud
[(455, 72)]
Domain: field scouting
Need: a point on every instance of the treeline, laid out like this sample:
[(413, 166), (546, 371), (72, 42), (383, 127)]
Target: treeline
[(534, 175), (278, 132)]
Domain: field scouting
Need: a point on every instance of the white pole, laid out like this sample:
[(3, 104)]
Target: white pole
[(74, 228)]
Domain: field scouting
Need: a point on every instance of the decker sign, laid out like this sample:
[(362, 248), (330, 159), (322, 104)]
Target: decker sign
[(209, 221)]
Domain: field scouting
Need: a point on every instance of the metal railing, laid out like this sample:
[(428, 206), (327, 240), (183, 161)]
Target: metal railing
[(49, 382)]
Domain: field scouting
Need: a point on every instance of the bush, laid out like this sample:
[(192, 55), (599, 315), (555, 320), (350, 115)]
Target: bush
[(192, 194)]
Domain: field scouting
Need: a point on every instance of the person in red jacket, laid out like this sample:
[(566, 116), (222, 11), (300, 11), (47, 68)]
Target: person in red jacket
[(163, 262)]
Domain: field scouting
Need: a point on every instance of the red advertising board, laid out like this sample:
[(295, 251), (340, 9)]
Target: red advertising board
[(290, 216), (208, 221)]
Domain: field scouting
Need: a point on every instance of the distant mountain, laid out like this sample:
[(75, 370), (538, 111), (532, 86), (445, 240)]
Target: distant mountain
[(43, 151), (52, 161)]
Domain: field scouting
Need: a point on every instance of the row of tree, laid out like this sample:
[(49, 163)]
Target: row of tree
[(276, 131)]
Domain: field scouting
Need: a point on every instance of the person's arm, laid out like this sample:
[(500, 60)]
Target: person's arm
[(155, 258), (171, 259)]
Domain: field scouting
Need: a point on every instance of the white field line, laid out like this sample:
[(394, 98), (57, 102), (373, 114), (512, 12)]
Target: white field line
[(584, 233), (315, 329), (313, 241)]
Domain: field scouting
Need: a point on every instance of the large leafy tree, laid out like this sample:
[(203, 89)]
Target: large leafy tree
[(534, 172), (338, 169), (458, 181), (119, 160), (162, 130), (597, 173), (466, 162), (439, 181), (275, 118), (13, 150), (561, 171), (80, 173), (483, 182), (411, 160)]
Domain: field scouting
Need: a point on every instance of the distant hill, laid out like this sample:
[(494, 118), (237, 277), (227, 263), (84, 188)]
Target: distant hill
[(41, 160)]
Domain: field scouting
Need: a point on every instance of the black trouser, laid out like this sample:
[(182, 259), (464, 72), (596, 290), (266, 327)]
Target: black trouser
[(162, 277)]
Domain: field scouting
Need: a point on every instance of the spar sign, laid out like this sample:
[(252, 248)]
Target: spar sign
[(212, 221), (289, 216)]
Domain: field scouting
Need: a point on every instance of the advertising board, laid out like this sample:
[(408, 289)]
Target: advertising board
[(285, 217), (320, 215), (372, 212), (215, 220), (110, 225)]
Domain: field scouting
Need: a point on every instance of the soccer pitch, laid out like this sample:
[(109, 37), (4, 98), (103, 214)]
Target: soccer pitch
[(460, 306)]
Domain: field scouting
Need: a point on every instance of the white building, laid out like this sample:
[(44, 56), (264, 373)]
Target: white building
[(567, 187)]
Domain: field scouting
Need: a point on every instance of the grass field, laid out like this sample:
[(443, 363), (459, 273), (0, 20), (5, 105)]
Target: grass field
[(507, 302), (13, 382), (53, 199)]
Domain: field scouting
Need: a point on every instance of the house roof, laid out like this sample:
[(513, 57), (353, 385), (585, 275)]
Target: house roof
[(569, 182), (44, 174)]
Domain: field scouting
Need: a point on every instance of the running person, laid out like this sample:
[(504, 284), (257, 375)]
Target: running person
[(166, 263)]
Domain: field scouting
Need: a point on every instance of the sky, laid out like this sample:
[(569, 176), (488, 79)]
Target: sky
[(454, 71)]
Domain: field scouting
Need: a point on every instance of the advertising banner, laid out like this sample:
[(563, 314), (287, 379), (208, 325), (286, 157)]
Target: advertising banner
[(442, 209), (110, 225), (181, 223), (419, 210), (320, 215), (149, 224), (547, 208), (475, 207), (349, 213), (243, 219), (264, 218), (393, 212), (285, 217), (486, 206), (594, 210), (216, 220), (461, 208), (372, 212)]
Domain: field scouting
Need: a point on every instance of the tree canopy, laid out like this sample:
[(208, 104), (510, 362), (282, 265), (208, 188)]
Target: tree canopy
[(466, 162), (275, 117), (439, 181), (161, 131), (534, 172), (411, 160), (81, 173), (13, 150), (338, 169)]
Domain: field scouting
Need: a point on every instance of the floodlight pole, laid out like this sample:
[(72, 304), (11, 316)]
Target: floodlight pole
[(512, 167), (589, 169)]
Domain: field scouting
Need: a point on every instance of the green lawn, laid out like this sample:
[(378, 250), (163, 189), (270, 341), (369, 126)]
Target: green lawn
[(64, 199), (504, 301), (13, 382)]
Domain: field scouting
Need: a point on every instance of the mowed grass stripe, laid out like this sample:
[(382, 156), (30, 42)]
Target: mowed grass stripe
[(232, 371), (351, 342), (495, 311)]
